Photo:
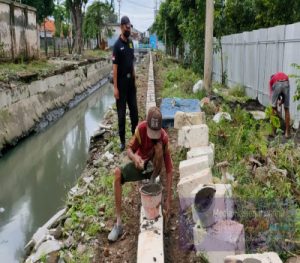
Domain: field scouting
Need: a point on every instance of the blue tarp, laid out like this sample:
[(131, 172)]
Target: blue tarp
[(169, 106)]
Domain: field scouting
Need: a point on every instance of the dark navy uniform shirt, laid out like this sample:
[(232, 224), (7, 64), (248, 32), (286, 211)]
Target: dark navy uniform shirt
[(123, 56)]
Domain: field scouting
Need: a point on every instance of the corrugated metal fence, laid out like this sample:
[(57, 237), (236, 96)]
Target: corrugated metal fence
[(250, 58)]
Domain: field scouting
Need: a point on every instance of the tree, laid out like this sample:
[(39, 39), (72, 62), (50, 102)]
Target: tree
[(276, 12), (181, 22), (97, 16), (44, 9), (62, 25), (167, 26), (75, 6), (60, 15)]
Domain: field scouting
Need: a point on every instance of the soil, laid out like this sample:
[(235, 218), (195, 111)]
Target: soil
[(178, 238), (125, 249), (178, 235)]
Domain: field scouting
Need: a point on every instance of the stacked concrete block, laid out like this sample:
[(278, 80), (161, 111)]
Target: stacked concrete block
[(222, 207), (187, 184), (150, 99), (208, 151), (193, 136), (222, 239), (268, 257), (192, 166), (150, 241), (182, 119)]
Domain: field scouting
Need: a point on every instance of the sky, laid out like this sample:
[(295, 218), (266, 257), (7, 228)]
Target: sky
[(140, 12)]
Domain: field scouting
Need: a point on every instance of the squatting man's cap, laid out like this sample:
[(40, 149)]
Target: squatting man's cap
[(154, 123)]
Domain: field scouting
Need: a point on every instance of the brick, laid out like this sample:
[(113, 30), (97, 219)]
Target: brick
[(223, 203), (182, 119), (202, 151), (193, 136), (222, 239), (187, 184), (192, 166), (267, 257)]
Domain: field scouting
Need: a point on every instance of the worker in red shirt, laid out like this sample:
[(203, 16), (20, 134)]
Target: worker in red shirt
[(280, 92), (149, 142)]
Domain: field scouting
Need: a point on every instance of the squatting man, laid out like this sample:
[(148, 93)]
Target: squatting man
[(149, 143)]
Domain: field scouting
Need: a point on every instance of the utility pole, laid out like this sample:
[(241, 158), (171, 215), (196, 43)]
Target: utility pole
[(119, 1), (209, 28), (166, 36)]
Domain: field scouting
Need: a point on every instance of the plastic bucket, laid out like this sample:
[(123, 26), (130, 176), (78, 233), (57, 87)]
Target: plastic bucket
[(151, 199)]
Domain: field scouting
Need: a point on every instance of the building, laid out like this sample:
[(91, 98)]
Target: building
[(113, 31)]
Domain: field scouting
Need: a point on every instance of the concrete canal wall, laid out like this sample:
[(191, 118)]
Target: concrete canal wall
[(24, 107)]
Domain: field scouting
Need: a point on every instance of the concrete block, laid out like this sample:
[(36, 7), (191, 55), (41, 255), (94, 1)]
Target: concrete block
[(182, 119), (201, 151), (223, 203), (150, 241), (222, 239), (192, 166), (187, 184), (193, 136), (149, 105), (268, 257)]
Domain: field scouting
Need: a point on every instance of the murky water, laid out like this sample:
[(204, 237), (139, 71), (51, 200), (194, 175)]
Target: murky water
[(36, 175)]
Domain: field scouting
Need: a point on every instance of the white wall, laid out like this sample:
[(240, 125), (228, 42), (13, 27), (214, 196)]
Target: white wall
[(22, 37), (250, 58)]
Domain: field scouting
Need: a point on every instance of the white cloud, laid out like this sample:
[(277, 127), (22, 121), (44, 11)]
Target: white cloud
[(140, 12)]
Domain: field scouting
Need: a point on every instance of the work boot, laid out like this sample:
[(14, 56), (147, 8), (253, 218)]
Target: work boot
[(115, 233)]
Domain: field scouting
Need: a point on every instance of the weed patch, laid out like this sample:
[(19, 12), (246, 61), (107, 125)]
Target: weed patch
[(10, 71), (266, 191), (178, 81)]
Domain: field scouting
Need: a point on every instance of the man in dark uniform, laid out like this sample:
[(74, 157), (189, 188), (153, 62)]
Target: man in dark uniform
[(124, 79)]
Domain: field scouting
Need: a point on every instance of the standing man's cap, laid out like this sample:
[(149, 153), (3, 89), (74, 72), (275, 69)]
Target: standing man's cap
[(125, 20), (154, 123)]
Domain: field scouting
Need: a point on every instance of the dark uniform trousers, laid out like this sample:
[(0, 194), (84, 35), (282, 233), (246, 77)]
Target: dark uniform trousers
[(127, 94)]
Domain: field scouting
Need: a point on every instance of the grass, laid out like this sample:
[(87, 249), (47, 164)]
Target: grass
[(177, 81), (234, 94), (89, 212), (97, 53), (10, 71), (267, 203)]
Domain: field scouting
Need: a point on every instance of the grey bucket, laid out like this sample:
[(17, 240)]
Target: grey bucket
[(204, 204)]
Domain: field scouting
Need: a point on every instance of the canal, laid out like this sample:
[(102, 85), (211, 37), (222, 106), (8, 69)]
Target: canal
[(36, 175)]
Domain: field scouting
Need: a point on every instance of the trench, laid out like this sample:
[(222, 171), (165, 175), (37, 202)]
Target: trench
[(36, 175)]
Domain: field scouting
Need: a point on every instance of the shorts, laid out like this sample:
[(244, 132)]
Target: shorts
[(130, 173), (281, 88)]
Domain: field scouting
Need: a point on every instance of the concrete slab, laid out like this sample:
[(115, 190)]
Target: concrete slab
[(150, 242), (45, 248), (202, 151), (223, 203), (222, 239), (193, 136), (187, 184), (192, 166), (268, 257), (182, 119)]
